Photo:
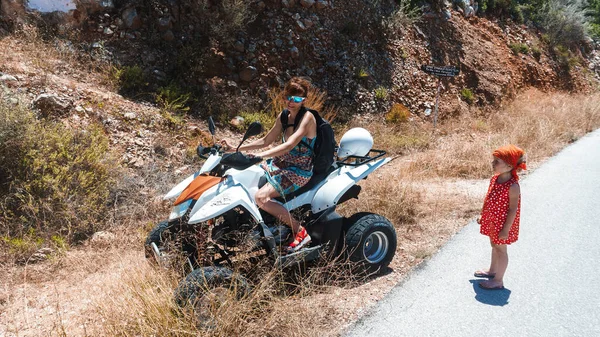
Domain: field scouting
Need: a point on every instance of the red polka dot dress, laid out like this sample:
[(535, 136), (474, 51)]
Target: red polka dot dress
[(495, 211)]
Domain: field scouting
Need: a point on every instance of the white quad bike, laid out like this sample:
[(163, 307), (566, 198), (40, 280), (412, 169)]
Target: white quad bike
[(215, 217)]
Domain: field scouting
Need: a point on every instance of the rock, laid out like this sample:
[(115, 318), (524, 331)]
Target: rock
[(278, 43), (50, 104), (102, 238), (307, 3), (159, 74), (300, 25), (168, 36), (239, 46), (7, 78), (131, 18), (295, 52), (79, 109), (130, 116), (248, 73), (40, 255), (446, 14), (236, 121), (164, 24), (308, 23), (108, 31), (252, 47), (322, 4), (288, 3)]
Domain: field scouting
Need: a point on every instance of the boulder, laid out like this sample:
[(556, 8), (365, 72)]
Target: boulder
[(248, 73), (307, 3), (50, 104), (131, 18)]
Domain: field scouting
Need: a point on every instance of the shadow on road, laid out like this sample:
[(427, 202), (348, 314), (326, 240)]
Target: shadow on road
[(490, 297)]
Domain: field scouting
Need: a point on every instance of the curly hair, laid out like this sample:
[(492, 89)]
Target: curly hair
[(296, 86)]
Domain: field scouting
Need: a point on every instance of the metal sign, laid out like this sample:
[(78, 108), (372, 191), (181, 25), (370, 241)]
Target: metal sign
[(449, 71)]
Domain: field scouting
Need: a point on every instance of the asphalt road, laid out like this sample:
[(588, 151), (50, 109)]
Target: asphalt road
[(552, 285)]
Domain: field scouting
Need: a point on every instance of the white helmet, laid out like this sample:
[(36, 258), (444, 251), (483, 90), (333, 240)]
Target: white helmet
[(355, 142)]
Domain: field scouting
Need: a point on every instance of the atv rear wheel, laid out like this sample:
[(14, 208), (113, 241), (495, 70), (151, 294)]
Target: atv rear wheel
[(207, 289), (371, 241)]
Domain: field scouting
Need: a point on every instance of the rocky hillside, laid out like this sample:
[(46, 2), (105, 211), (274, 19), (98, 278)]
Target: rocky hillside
[(366, 55)]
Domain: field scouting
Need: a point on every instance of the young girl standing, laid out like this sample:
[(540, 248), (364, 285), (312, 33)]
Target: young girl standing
[(500, 214)]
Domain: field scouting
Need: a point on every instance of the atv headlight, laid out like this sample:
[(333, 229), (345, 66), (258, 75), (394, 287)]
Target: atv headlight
[(179, 210)]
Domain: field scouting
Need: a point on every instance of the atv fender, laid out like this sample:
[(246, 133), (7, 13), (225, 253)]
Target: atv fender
[(330, 193), (220, 199)]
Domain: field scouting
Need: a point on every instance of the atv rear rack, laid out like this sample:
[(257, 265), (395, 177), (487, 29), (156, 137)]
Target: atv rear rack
[(359, 160)]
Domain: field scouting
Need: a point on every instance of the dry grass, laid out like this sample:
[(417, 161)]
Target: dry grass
[(541, 124), (142, 304)]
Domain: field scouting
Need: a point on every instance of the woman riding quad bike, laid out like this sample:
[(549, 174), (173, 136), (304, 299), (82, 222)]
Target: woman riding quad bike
[(216, 220)]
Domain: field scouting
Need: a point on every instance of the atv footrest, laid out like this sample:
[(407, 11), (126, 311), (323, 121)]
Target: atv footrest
[(303, 255)]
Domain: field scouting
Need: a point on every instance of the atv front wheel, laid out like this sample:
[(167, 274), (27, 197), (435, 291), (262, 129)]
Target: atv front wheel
[(157, 236), (207, 289), (371, 241)]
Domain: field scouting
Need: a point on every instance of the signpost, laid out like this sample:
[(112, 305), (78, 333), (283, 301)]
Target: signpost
[(448, 71)]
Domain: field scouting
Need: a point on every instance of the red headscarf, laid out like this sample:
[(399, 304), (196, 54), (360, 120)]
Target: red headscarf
[(511, 154)]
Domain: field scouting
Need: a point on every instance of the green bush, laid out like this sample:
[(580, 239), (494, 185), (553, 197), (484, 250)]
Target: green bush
[(381, 93), (564, 23), (519, 48), (265, 118), (131, 79), (467, 95), (173, 99), (536, 52), (54, 181)]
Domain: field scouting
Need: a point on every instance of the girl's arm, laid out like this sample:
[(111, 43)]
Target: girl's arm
[(265, 141), (513, 205), (307, 122)]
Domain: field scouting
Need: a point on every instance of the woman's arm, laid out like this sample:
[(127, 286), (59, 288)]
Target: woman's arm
[(513, 205), (308, 123), (267, 140)]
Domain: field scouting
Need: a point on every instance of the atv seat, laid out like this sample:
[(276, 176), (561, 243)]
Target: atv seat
[(314, 180)]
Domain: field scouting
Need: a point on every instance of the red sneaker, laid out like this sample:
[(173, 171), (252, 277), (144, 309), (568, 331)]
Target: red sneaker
[(302, 239)]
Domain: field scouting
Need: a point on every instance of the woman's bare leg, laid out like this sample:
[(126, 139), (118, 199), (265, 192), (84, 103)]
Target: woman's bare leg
[(263, 200)]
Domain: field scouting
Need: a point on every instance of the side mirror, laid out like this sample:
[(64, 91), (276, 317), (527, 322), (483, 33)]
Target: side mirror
[(254, 129), (211, 126)]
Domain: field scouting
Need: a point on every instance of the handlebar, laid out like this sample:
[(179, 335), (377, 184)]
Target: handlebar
[(202, 151)]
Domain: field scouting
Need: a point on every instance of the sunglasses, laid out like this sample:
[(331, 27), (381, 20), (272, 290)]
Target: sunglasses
[(295, 99)]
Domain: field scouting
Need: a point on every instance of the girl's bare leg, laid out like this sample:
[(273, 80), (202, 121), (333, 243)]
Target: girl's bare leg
[(500, 263), (263, 200), (494, 260)]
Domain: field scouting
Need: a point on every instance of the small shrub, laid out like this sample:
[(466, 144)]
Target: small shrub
[(362, 74), (265, 118), (467, 95), (519, 48), (397, 114), (536, 52), (564, 57), (406, 15), (381, 93), (131, 79), (172, 98)]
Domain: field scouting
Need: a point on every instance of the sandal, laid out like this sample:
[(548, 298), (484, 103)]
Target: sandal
[(481, 273)]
